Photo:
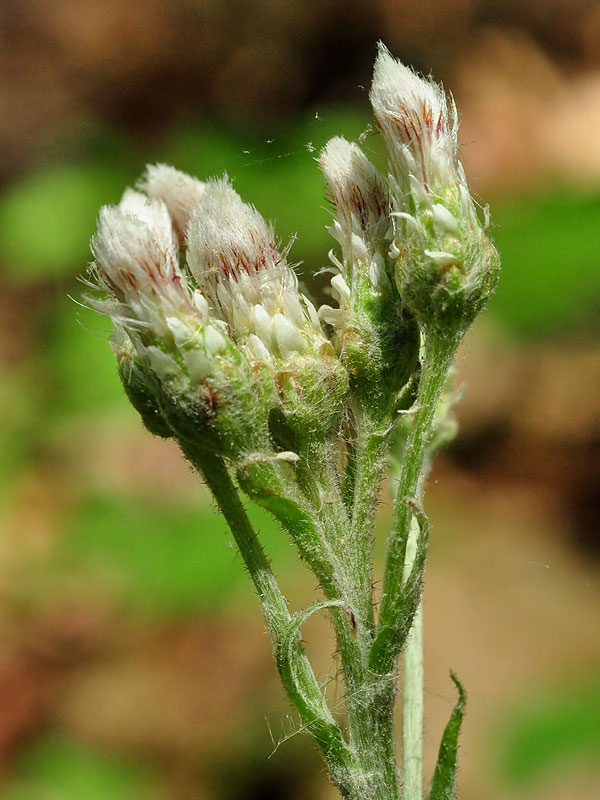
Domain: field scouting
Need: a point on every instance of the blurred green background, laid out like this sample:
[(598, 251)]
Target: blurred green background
[(133, 660)]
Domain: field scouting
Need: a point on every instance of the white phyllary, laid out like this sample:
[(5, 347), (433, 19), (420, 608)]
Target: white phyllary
[(332, 316), (443, 219), (292, 309), (234, 258), (263, 325), (360, 196), (161, 363), (214, 341), (288, 337), (198, 365), (178, 191), (182, 334), (377, 273), (201, 305), (342, 294), (409, 218), (256, 350), (341, 291), (441, 257), (359, 251)]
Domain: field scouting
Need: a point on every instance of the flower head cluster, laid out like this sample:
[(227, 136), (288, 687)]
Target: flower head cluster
[(206, 305), (419, 225), (219, 349), (207, 311)]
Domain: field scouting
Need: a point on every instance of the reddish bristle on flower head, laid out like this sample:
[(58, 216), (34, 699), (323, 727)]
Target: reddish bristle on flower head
[(136, 262), (229, 238), (234, 257), (356, 187), (417, 125)]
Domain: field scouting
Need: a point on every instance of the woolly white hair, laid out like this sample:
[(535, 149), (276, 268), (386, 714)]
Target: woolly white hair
[(179, 192), (233, 255), (398, 94), (418, 125), (357, 188), (227, 237), (136, 261)]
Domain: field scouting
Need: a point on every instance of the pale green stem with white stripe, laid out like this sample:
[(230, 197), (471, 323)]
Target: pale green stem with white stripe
[(412, 690)]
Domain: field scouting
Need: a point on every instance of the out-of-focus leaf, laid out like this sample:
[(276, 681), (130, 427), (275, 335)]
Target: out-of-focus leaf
[(162, 558), (59, 769), (48, 217), (18, 410), (550, 263), (79, 364), (552, 731)]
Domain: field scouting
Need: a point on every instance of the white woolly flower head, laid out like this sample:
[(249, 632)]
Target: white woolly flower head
[(228, 238), (136, 263), (360, 196), (357, 190), (179, 192), (148, 296), (418, 125), (445, 265), (234, 257)]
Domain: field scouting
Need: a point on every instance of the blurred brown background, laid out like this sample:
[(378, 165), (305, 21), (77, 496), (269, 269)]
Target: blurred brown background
[(132, 656)]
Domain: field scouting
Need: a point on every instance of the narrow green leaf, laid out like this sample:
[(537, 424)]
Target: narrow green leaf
[(307, 699), (443, 784), (264, 485), (393, 639)]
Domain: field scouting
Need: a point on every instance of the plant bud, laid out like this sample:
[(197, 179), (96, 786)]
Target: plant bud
[(445, 265), (137, 265), (359, 195), (235, 260), (180, 368), (373, 334)]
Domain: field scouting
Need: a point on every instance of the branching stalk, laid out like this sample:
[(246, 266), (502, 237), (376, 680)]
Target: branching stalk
[(309, 700), (391, 628)]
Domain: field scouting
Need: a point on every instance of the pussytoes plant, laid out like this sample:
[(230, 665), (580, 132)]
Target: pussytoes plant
[(301, 409)]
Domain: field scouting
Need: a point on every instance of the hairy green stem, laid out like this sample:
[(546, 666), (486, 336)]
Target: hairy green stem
[(295, 670), (376, 707), (263, 483), (348, 533), (372, 438), (365, 767), (392, 626)]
